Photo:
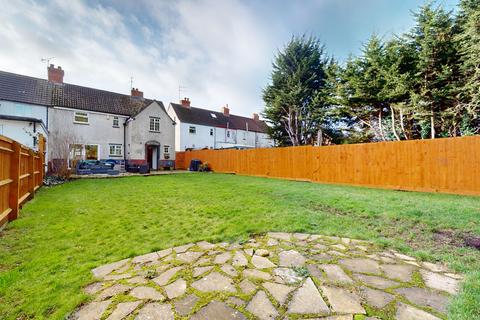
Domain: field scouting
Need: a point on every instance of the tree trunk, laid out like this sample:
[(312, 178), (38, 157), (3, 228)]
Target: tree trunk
[(394, 130), (402, 125), (380, 126), (319, 137), (432, 125)]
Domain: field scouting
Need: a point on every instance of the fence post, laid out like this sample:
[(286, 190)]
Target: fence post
[(31, 171), (15, 185), (41, 153)]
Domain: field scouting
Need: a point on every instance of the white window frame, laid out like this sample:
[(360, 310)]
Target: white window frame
[(155, 121), (116, 122), (118, 150), (192, 130), (166, 149), (83, 115)]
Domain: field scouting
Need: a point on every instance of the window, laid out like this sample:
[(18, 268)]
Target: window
[(91, 152), (76, 151), (211, 132), (166, 149), (192, 130), (228, 134), (115, 150), (154, 124), (81, 117), (213, 115), (115, 122)]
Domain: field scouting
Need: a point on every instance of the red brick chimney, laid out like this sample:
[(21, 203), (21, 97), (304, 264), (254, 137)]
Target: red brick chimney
[(185, 102), (256, 117), (137, 93), (55, 74), (226, 110)]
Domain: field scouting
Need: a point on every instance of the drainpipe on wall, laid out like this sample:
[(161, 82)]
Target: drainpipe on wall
[(125, 139)]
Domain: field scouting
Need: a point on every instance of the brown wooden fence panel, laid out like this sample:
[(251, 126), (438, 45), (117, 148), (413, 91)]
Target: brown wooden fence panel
[(21, 174), (449, 165)]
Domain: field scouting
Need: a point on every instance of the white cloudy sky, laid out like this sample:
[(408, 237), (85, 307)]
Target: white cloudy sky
[(219, 51)]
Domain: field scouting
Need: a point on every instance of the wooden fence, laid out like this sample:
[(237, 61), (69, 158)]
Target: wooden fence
[(449, 165), (21, 174)]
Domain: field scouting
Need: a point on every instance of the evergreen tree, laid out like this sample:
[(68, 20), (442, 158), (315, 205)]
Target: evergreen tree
[(362, 89), (297, 100), (468, 39), (436, 78)]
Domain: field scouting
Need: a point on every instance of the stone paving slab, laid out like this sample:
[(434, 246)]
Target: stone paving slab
[(277, 276)]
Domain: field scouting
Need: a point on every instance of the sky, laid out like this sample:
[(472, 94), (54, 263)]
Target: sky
[(215, 52)]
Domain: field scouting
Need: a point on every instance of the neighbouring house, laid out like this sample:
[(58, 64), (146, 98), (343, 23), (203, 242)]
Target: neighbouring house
[(200, 128), (84, 123), (24, 103)]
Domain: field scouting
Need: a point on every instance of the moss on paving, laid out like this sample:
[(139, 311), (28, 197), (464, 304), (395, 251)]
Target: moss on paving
[(46, 255)]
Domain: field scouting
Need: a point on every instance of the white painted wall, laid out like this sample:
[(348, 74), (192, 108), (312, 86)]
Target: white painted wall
[(23, 131), (220, 139), (202, 138), (138, 133), (99, 131)]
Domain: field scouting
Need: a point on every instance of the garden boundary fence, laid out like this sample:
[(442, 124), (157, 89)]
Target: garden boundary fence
[(21, 174), (446, 165)]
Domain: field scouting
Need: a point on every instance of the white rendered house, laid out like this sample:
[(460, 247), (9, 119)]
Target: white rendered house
[(198, 128)]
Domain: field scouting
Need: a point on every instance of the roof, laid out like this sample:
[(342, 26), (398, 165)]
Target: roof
[(204, 117), (25, 89)]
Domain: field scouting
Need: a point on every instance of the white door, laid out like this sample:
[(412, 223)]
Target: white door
[(155, 158)]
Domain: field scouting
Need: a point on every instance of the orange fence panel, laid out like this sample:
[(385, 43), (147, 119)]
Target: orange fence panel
[(448, 165), (21, 174)]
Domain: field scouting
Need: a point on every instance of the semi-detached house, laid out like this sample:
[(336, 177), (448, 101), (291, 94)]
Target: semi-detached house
[(85, 123)]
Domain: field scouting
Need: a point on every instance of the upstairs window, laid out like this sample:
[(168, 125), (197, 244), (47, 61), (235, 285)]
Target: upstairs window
[(228, 134), (192, 129), (81, 117), (154, 124), (115, 122), (211, 132)]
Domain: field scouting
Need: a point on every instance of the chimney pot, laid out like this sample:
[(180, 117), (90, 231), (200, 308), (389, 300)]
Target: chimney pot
[(226, 110), (137, 93), (55, 74), (185, 102)]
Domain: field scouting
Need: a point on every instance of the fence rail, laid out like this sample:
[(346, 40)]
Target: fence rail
[(21, 174), (448, 165)]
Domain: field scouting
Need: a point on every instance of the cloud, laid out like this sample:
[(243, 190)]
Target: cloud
[(214, 55), (218, 51)]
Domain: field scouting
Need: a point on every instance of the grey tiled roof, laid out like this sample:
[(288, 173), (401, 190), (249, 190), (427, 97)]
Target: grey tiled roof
[(20, 88), (15, 87), (204, 117)]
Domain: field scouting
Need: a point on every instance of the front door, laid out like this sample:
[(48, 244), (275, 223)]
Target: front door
[(152, 157)]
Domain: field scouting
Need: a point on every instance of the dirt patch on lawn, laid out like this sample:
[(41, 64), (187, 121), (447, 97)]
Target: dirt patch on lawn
[(456, 239)]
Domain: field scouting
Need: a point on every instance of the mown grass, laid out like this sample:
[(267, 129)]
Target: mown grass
[(47, 254)]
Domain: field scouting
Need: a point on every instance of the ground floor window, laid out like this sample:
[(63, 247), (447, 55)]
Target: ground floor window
[(91, 152), (192, 129), (115, 150), (76, 152), (166, 152)]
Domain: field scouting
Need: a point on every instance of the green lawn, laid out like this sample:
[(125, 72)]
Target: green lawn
[(47, 254)]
